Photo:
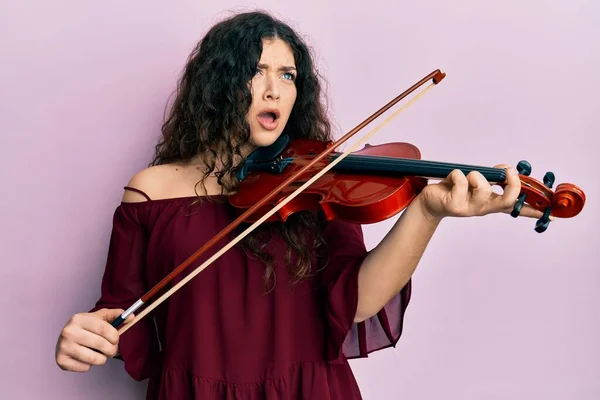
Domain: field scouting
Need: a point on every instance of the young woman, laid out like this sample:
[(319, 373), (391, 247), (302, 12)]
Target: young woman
[(278, 316)]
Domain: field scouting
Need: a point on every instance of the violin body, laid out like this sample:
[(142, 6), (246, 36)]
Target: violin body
[(344, 193)]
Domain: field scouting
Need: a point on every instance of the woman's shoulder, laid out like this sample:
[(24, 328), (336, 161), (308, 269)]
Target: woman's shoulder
[(162, 183), (149, 184), (160, 193)]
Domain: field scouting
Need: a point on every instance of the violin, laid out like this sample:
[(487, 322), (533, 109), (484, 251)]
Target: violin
[(362, 186), (376, 183)]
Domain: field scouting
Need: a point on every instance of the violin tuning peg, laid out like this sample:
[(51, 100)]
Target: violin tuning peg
[(542, 224), (518, 206), (549, 179), (524, 168)]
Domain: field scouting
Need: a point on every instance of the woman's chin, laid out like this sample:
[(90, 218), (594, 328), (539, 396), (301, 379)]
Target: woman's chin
[(265, 138)]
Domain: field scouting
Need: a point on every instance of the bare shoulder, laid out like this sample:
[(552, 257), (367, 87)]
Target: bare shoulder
[(157, 182)]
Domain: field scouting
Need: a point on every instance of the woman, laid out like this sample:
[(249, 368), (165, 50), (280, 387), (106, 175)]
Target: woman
[(278, 316)]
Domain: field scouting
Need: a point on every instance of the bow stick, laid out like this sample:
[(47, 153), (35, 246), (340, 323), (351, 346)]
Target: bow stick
[(436, 77)]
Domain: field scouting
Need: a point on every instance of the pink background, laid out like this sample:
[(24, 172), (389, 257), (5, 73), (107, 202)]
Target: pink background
[(499, 311)]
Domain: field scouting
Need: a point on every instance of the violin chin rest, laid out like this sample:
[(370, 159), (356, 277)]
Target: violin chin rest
[(269, 153)]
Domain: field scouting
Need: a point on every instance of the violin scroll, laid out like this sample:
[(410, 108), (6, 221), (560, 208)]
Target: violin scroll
[(566, 202)]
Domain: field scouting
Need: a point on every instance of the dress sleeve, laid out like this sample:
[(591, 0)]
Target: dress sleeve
[(124, 283), (345, 254)]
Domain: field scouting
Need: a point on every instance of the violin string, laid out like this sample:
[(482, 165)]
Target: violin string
[(421, 163), (436, 170), (281, 204), (434, 165)]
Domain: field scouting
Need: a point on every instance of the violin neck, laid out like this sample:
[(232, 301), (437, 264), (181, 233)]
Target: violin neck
[(413, 167)]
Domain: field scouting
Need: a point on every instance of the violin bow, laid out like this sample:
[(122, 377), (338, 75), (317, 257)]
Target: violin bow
[(435, 76)]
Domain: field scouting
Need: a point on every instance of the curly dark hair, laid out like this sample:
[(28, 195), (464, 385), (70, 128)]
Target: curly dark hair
[(209, 112)]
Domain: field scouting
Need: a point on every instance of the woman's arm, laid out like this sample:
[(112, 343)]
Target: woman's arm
[(390, 265)]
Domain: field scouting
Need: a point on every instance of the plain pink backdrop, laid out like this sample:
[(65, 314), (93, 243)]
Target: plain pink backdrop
[(498, 312)]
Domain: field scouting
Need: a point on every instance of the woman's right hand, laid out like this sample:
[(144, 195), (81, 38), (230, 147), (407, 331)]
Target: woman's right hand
[(84, 333)]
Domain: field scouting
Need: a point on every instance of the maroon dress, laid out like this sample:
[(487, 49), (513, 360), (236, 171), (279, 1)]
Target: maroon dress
[(221, 336)]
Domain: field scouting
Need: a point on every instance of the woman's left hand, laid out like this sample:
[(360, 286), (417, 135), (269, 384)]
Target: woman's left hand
[(471, 195)]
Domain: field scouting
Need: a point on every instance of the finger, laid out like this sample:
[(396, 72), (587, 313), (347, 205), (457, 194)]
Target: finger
[(96, 342), (99, 326), (481, 190), (511, 191), (67, 363), (79, 336), (459, 192), (112, 314), (530, 212), (109, 314), (89, 356), (526, 210), (82, 354)]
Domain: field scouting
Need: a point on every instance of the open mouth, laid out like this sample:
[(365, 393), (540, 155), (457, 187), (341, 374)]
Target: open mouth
[(269, 114), (268, 119)]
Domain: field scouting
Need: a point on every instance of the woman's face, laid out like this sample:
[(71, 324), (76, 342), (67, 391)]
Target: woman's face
[(273, 91)]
